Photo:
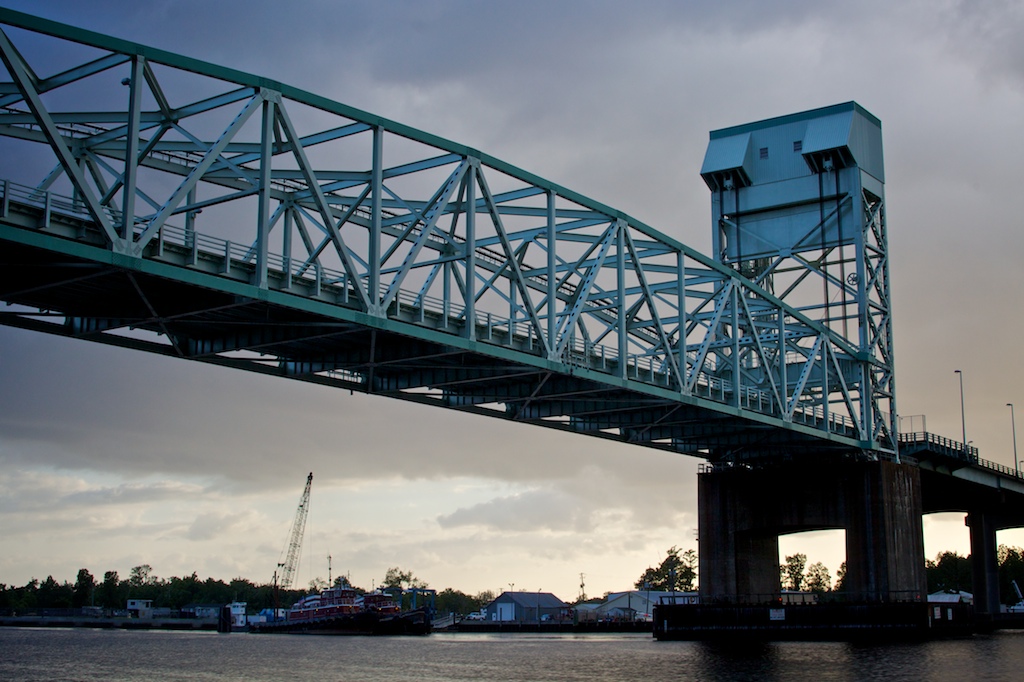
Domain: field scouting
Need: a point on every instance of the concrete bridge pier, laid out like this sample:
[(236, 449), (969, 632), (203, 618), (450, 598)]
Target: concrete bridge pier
[(742, 513), (984, 564)]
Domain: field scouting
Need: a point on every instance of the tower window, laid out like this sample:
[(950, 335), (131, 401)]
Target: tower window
[(798, 145), (764, 152)]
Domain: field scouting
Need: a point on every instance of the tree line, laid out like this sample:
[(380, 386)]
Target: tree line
[(112, 592), (949, 571)]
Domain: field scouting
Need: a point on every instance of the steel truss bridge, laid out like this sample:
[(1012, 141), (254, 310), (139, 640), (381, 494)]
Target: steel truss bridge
[(160, 203)]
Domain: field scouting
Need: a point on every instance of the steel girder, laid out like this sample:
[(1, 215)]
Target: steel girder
[(241, 191)]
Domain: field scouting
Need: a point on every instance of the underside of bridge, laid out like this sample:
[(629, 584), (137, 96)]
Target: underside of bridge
[(78, 295), (990, 504)]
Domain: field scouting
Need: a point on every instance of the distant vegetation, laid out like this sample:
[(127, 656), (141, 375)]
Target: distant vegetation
[(952, 572), (948, 572), (677, 572), (112, 592)]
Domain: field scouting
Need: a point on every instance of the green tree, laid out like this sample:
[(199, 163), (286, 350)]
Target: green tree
[(840, 578), (85, 585), (949, 572), (141, 575), (792, 572), (818, 578), (55, 595), (244, 590), (22, 598), (1011, 568), (109, 593), (677, 572), (397, 578), (454, 601), (180, 592), (215, 592)]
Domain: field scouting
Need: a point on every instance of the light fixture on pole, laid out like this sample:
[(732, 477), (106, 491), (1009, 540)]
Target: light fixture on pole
[(1013, 423), (963, 420)]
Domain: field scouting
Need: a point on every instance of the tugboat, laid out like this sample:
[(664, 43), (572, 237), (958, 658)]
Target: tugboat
[(342, 611)]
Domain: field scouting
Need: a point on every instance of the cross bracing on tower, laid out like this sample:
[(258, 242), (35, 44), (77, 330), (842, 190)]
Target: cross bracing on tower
[(157, 202)]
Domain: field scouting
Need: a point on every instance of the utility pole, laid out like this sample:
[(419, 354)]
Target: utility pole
[(1013, 422), (963, 419)]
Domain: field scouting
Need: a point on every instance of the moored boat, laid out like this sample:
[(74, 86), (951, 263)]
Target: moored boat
[(342, 611)]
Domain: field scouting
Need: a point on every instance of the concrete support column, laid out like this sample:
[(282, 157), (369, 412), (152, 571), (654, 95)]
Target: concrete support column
[(757, 565), (738, 561), (884, 534), (984, 564), (742, 513)]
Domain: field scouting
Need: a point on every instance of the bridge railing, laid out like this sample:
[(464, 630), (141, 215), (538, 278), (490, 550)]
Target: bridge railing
[(946, 446), (1001, 468), (955, 450)]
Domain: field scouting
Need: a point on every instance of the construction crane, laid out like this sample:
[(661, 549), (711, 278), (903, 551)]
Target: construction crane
[(288, 567)]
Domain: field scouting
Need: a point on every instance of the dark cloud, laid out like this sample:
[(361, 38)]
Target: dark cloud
[(988, 35)]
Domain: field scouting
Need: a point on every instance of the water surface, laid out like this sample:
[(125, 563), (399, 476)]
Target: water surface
[(29, 654)]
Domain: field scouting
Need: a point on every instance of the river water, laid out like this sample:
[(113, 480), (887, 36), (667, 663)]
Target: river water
[(28, 654)]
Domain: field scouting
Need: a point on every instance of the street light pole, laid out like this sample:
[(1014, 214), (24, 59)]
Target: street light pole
[(963, 420), (1013, 422)]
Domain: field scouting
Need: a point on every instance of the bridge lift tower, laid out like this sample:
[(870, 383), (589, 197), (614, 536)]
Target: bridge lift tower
[(798, 208)]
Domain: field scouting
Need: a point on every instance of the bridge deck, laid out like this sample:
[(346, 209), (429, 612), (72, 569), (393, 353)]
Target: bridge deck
[(190, 297)]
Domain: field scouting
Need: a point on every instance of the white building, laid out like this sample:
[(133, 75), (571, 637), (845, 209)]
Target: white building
[(639, 604), (140, 608)]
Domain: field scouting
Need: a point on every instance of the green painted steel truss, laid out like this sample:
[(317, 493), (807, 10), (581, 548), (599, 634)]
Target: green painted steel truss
[(196, 211)]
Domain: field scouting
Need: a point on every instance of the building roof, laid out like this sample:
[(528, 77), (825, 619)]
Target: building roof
[(544, 600), (950, 597), (846, 133)]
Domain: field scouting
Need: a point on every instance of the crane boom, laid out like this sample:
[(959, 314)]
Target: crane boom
[(291, 562)]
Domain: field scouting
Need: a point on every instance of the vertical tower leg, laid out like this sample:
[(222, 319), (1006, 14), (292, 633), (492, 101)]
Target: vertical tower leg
[(739, 558), (984, 565), (884, 534)]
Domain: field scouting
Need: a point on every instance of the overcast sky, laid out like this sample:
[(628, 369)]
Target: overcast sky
[(111, 458)]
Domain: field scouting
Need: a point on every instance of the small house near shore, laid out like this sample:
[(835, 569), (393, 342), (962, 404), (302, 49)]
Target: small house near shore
[(140, 608), (527, 607), (635, 605)]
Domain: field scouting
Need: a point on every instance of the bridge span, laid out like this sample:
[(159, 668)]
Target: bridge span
[(155, 202)]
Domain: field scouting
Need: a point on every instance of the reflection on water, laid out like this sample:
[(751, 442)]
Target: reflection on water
[(90, 655)]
